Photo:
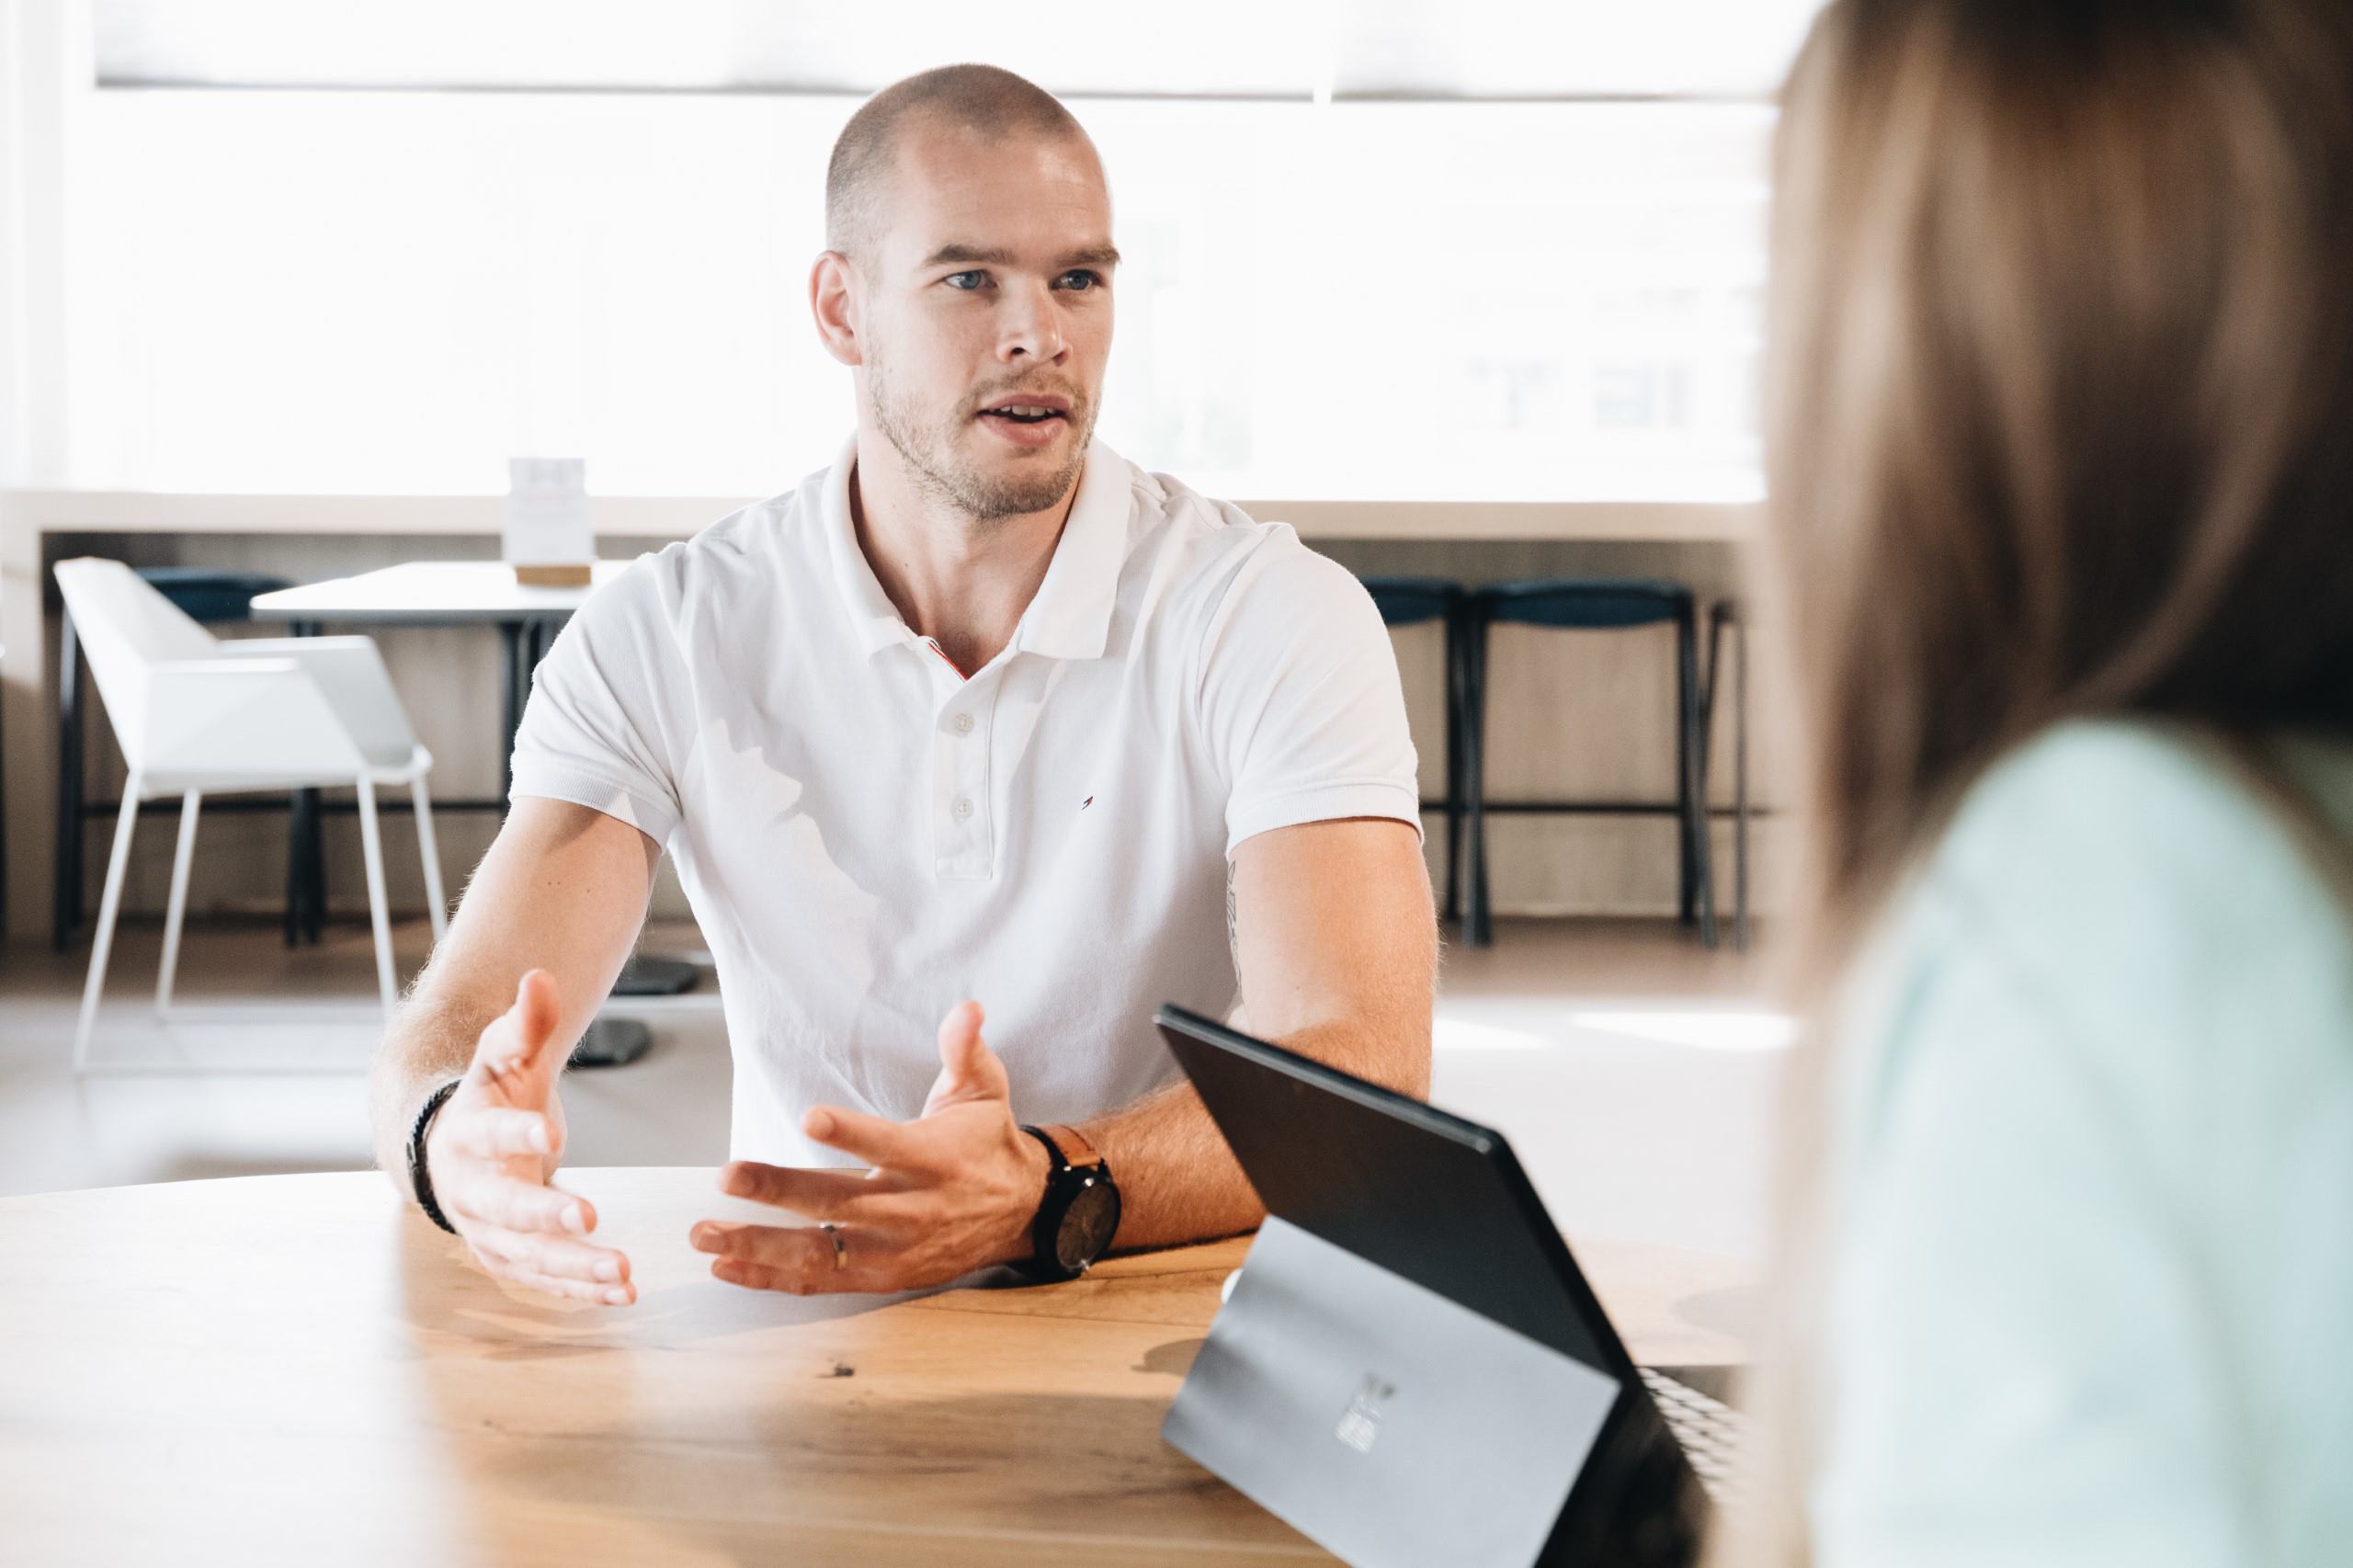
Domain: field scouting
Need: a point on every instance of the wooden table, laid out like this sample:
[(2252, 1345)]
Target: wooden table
[(297, 1369)]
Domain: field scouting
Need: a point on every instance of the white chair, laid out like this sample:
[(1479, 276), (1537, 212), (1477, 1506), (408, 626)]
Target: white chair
[(196, 715)]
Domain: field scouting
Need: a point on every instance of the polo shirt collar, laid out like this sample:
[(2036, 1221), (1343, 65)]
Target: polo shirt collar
[(1068, 617), (871, 611), (1070, 614)]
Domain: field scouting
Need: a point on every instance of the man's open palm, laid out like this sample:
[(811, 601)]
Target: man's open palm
[(496, 1143), (950, 1192)]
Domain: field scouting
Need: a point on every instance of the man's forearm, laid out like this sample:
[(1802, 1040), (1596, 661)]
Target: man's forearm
[(1179, 1182), (431, 1040), (1346, 981), (562, 889)]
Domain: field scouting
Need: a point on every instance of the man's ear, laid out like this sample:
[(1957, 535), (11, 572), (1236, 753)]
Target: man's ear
[(831, 286)]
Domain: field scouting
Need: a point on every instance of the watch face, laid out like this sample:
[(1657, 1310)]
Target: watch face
[(1087, 1226)]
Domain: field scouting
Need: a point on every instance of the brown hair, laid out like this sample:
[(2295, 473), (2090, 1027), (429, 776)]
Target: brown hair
[(982, 100), (2059, 387)]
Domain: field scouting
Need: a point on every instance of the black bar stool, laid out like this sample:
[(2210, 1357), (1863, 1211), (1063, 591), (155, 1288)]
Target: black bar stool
[(1596, 604), (1725, 616), (1411, 601), (206, 594)]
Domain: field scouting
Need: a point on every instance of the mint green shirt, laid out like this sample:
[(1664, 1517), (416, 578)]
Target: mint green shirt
[(2092, 1293)]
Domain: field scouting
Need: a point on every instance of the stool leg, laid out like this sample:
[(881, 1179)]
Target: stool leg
[(315, 855), (1481, 928), (1710, 690), (294, 882), (1740, 788), (1686, 887), (1454, 764), (1698, 895), (306, 877), (298, 883)]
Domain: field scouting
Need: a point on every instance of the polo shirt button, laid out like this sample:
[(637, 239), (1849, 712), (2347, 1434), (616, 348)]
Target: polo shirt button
[(963, 807), (963, 723)]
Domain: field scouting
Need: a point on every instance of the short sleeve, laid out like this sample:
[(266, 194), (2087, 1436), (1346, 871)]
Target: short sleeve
[(606, 705), (1300, 697)]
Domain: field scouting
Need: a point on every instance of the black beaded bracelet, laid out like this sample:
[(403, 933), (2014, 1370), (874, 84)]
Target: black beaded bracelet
[(418, 1181)]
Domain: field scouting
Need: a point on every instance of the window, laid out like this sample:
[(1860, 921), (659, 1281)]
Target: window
[(395, 291)]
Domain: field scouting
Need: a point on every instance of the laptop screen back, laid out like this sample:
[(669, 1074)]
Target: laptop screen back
[(1427, 1196)]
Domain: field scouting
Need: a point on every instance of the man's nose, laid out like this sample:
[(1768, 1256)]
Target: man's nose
[(1029, 327)]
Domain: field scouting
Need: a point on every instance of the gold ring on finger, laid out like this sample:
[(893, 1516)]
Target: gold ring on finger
[(841, 1257)]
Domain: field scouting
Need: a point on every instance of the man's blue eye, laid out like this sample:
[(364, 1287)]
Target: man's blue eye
[(1080, 279), (965, 280)]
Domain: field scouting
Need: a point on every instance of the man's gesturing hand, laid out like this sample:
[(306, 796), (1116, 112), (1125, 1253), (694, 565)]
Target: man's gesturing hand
[(952, 1191), (493, 1147)]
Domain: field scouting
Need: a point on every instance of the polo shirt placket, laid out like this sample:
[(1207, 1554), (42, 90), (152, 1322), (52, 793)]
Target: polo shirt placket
[(963, 840)]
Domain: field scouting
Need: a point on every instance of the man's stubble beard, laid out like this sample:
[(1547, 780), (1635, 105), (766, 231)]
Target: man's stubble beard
[(934, 463)]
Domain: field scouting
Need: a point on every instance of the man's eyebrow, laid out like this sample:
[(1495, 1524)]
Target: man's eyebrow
[(973, 256), (967, 253)]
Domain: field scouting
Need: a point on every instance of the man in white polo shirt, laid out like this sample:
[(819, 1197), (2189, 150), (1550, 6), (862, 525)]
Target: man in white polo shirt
[(983, 716)]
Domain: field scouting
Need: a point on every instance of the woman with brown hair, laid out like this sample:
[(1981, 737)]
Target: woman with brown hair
[(2061, 453)]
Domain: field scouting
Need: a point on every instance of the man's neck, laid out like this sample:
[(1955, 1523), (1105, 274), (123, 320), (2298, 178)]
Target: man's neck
[(961, 581)]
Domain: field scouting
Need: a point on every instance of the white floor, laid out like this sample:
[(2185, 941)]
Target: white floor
[(1633, 1072)]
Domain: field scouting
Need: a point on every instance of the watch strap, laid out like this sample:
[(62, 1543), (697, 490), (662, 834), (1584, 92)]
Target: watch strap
[(419, 1180), (1069, 1145)]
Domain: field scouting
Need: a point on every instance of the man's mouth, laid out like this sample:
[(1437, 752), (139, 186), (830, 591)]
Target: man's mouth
[(1028, 410)]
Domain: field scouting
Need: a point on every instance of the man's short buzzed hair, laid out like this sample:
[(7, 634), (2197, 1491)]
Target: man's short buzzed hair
[(983, 100)]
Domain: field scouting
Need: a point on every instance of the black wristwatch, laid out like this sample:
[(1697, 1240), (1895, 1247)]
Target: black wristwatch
[(1080, 1213)]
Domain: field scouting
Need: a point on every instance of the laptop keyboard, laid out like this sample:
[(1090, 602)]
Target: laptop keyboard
[(1709, 1430)]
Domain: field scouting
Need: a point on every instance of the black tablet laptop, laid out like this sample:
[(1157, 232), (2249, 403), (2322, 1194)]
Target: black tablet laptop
[(1410, 1368)]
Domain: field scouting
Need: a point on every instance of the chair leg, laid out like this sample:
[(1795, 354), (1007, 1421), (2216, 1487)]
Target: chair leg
[(371, 844), (1698, 893), (430, 853), (110, 905), (176, 909)]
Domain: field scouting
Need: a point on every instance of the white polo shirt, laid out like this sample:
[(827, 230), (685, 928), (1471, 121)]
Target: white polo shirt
[(868, 836)]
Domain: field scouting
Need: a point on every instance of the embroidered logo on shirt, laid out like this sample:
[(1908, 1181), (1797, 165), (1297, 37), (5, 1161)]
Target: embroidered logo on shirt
[(1087, 803)]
